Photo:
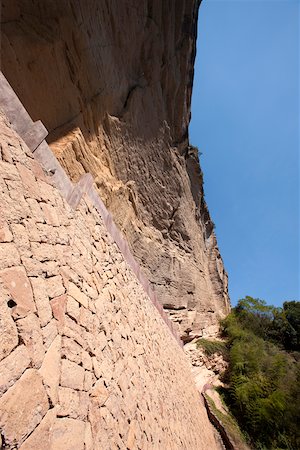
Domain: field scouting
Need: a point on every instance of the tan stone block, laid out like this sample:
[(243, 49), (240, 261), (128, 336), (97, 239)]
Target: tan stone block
[(90, 291), (78, 295), (86, 360), (50, 268), (9, 255), (123, 383), (113, 404), (6, 153), (64, 235), (97, 326), (58, 306), (88, 437), (21, 239), (71, 350), (41, 438), (116, 338), (29, 181), (36, 210), (48, 234), (50, 369), (8, 329), (35, 268), (74, 262), (119, 367), (107, 367), (5, 233), (31, 333), (74, 331), (131, 435), (97, 367), (68, 402), (73, 403), (103, 428), (86, 318), (22, 408), (97, 282), (38, 171), (41, 300), (92, 307), (14, 210), (9, 171), (109, 275), (72, 375), (12, 367), (49, 333), (100, 392), (43, 252), (69, 274), (32, 230), (50, 214), (89, 380), (73, 308), (100, 342), (63, 254), (65, 213), (55, 287), (19, 287), (47, 191), (68, 434)]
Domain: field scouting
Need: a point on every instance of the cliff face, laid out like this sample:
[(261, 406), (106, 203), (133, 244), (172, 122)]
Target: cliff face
[(111, 81)]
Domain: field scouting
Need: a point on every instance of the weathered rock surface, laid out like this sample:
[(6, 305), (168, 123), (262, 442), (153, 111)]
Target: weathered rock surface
[(205, 369), (104, 374), (111, 80), (22, 408)]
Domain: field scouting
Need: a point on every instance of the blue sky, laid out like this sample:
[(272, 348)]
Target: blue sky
[(245, 121)]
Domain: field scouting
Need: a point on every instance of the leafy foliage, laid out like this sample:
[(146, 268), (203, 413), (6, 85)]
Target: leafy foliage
[(211, 347), (264, 379)]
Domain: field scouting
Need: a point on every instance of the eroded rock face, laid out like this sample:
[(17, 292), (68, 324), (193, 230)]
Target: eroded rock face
[(111, 80)]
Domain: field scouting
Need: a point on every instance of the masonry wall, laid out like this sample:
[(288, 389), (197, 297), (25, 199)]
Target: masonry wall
[(86, 361)]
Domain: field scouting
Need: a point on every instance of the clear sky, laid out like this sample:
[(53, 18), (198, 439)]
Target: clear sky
[(245, 121)]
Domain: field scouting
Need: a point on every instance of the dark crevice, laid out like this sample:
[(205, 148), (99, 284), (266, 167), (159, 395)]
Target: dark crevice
[(3, 446), (51, 405), (182, 139), (129, 95), (173, 308), (20, 340), (11, 303)]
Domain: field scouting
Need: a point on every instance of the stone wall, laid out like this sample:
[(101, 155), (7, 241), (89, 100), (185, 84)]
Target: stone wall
[(86, 361), (111, 81)]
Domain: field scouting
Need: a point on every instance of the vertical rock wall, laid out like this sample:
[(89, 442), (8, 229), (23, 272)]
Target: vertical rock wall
[(86, 361), (111, 80)]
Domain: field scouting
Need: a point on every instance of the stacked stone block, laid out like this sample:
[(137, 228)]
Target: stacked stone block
[(86, 361)]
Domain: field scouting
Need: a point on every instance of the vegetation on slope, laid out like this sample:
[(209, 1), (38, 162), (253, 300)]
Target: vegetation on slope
[(211, 347), (264, 372)]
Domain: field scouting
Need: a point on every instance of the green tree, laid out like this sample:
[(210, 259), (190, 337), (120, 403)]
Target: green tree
[(263, 378), (292, 333)]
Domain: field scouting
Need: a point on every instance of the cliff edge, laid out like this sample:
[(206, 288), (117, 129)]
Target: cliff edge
[(112, 81)]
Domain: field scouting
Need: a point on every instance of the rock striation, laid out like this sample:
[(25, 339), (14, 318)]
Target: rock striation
[(111, 80)]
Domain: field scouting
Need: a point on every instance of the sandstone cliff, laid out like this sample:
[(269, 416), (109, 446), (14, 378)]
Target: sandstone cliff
[(111, 80)]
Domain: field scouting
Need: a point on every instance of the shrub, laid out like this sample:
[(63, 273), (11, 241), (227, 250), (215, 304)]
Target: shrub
[(211, 347), (264, 379)]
